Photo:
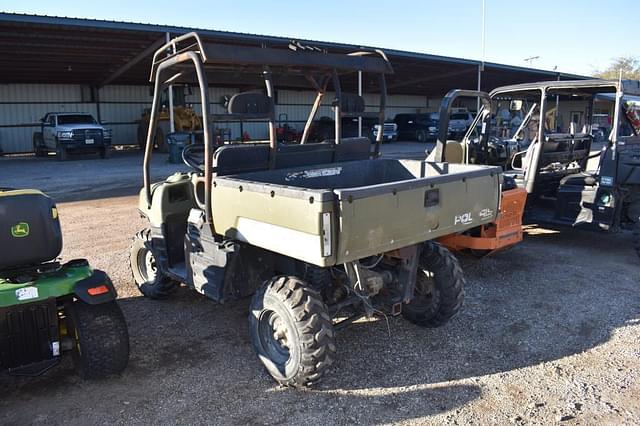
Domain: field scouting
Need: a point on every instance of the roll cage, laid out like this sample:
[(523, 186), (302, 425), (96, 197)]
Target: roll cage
[(546, 89), (188, 60)]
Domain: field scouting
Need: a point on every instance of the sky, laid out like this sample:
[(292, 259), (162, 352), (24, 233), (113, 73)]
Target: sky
[(578, 37)]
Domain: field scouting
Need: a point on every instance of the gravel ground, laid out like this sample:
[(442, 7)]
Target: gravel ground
[(549, 334)]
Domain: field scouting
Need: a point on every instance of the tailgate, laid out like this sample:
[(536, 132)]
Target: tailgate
[(379, 218)]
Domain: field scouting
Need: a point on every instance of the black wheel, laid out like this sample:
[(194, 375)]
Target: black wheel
[(105, 152), (161, 143), (38, 145), (101, 339), (636, 237), (142, 135), (61, 152), (439, 291), (291, 331), (421, 136), (150, 280)]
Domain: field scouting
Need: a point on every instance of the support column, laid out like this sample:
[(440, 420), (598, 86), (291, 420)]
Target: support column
[(360, 94)]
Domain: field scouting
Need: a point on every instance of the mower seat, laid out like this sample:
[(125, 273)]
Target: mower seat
[(579, 179), (29, 229)]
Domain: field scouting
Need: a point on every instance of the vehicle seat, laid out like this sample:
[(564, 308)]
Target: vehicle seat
[(31, 229), (454, 153), (310, 154), (350, 149), (579, 179), (241, 158)]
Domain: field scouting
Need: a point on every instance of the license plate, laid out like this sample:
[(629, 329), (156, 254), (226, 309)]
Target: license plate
[(88, 141)]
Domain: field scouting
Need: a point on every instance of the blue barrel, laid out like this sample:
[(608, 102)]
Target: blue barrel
[(176, 142)]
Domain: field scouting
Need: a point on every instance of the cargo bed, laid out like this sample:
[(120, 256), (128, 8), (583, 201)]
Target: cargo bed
[(335, 213)]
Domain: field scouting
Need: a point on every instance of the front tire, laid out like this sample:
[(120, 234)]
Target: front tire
[(101, 339), (421, 136), (105, 153), (439, 291), (161, 143), (150, 280), (291, 331), (61, 153)]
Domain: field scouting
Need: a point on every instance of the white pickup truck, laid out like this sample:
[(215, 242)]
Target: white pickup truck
[(65, 132)]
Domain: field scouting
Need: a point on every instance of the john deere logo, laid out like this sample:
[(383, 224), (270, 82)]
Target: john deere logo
[(20, 230)]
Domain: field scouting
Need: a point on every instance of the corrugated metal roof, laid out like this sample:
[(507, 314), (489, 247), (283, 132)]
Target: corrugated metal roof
[(236, 36)]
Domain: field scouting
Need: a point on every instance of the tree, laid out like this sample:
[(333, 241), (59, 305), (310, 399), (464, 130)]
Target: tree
[(629, 65)]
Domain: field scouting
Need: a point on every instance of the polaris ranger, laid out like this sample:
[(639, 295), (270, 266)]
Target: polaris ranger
[(320, 234)]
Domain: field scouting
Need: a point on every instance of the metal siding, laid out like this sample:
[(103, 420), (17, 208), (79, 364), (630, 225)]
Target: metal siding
[(22, 105)]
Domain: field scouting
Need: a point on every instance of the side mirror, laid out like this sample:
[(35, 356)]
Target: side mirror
[(515, 105)]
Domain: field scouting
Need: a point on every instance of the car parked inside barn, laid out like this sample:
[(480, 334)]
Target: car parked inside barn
[(70, 132)]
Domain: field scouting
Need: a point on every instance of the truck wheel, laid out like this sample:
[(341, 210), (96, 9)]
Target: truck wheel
[(421, 136), (101, 339), (439, 291), (161, 143), (142, 135), (38, 145), (291, 331), (150, 281), (105, 152), (636, 237), (61, 153)]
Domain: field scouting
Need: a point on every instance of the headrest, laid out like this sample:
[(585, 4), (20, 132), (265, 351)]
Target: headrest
[(250, 103), (351, 103)]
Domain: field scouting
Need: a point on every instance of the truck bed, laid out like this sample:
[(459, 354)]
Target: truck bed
[(333, 213)]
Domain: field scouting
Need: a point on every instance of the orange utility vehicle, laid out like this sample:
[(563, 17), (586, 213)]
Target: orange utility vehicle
[(506, 230)]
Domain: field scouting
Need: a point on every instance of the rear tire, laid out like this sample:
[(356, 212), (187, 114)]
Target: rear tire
[(161, 143), (150, 280), (439, 291), (102, 339), (421, 136), (636, 237), (142, 135), (38, 145), (291, 331)]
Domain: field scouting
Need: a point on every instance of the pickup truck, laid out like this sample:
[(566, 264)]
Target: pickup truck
[(65, 132)]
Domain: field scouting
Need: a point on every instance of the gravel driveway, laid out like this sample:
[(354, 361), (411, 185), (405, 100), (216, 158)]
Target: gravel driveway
[(549, 333)]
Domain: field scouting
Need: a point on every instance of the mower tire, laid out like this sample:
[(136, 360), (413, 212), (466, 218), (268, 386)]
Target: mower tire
[(101, 339)]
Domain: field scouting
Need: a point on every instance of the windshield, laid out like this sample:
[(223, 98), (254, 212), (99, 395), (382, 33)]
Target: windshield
[(632, 113), (76, 119)]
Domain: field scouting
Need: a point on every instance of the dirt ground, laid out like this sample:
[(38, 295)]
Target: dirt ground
[(549, 333)]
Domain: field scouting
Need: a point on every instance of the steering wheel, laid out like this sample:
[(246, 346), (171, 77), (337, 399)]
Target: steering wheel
[(193, 156)]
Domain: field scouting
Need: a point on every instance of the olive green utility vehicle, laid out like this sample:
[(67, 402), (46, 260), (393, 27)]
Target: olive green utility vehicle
[(320, 234)]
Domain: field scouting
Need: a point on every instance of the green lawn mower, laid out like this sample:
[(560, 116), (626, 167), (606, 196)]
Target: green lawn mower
[(48, 309)]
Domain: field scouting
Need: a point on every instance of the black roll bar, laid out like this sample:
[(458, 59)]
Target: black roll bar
[(445, 111)]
